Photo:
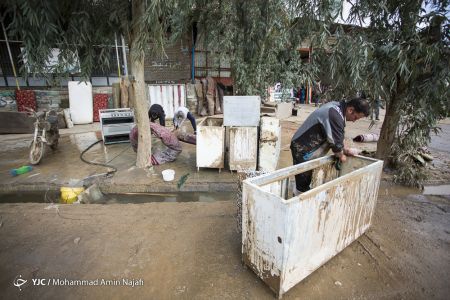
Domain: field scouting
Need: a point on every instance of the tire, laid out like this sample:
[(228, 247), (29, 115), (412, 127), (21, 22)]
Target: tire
[(36, 151)]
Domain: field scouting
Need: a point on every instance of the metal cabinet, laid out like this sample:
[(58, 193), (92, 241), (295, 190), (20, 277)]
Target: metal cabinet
[(242, 148), (210, 143), (269, 144)]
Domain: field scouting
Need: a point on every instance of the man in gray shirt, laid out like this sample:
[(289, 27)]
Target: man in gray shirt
[(324, 130)]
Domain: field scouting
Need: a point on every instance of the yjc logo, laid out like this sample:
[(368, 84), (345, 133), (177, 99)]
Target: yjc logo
[(38, 281), (18, 281)]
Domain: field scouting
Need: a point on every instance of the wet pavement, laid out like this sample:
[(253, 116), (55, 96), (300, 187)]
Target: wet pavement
[(64, 167)]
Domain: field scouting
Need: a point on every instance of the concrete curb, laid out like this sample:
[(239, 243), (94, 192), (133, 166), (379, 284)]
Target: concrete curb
[(125, 188)]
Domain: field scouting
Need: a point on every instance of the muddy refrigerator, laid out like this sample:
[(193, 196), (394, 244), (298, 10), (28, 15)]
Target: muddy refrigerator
[(285, 238)]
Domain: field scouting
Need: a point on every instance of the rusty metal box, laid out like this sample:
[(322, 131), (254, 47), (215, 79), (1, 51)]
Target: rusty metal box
[(210, 143), (285, 238)]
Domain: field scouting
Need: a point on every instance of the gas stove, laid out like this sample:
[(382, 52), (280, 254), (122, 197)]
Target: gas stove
[(116, 124)]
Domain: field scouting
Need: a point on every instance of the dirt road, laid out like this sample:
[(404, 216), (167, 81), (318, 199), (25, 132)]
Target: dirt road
[(192, 251)]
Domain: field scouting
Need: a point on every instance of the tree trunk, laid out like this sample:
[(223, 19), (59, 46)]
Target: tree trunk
[(388, 130), (144, 150)]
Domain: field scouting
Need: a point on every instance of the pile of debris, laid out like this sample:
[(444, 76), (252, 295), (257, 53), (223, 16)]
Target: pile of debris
[(209, 96)]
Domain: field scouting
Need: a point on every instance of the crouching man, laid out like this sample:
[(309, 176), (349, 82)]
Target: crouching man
[(324, 130)]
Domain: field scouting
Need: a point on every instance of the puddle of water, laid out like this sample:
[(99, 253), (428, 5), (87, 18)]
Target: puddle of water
[(391, 189), (29, 197), (53, 196), (438, 190), (169, 197)]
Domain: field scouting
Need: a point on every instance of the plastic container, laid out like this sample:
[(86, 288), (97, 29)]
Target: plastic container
[(21, 170), (80, 99), (70, 194), (168, 174)]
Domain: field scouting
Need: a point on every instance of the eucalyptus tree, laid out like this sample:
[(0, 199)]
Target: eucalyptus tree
[(400, 52), (79, 29), (260, 38)]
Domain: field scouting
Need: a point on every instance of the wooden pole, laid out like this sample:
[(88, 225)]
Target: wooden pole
[(116, 94), (117, 55), (124, 53), (10, 56)]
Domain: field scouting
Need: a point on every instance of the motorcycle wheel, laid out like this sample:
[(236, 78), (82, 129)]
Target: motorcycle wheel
[(36, 151)]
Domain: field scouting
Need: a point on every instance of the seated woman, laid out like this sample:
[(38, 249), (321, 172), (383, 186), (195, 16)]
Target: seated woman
[(167, 137)]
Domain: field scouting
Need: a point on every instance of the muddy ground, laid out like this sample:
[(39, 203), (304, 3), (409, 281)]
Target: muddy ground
[(192, 250)]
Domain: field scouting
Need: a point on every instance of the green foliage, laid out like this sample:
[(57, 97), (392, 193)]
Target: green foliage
[(83, 31), (152, 27), (261, 38), (67, 25), (402, 55)]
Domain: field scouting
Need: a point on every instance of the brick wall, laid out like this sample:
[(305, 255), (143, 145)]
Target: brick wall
[(174, 68)]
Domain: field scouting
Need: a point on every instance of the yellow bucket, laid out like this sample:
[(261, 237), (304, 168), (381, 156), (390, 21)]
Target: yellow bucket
[(70, 194)]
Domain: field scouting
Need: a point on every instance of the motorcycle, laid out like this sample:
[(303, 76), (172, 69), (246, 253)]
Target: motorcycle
[(46, 132)]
